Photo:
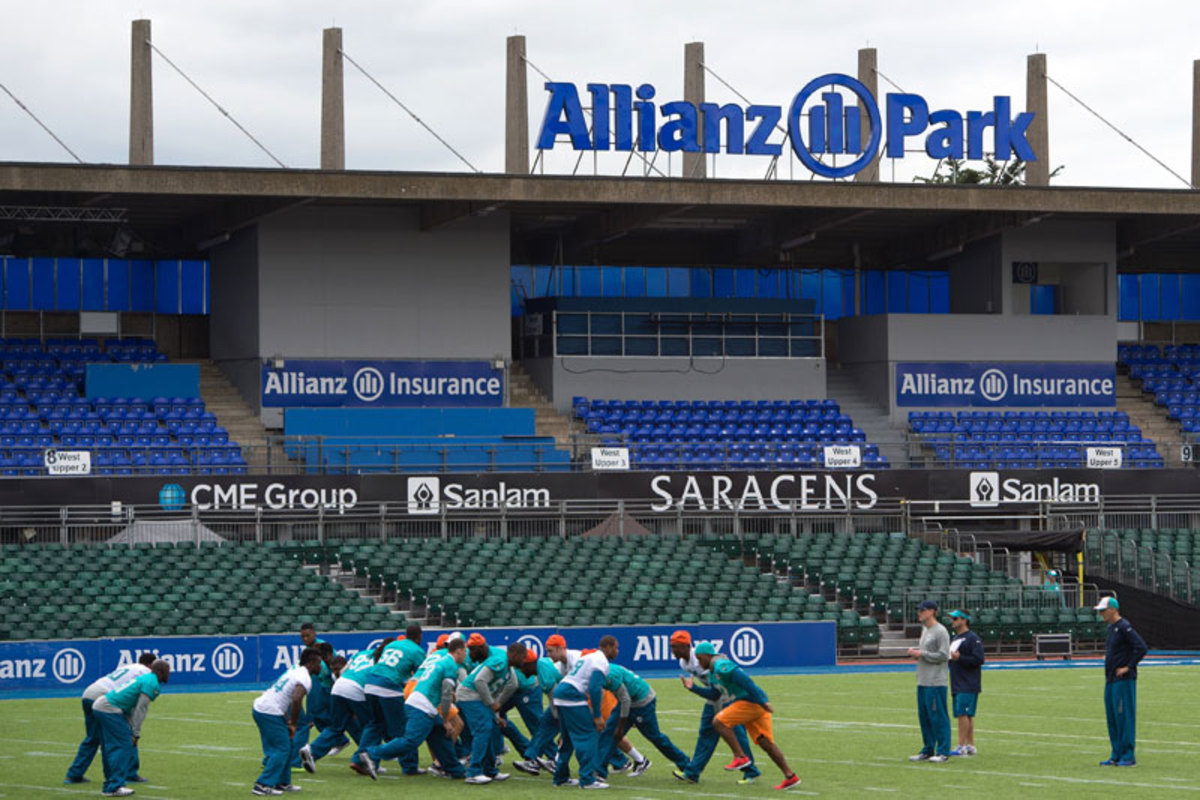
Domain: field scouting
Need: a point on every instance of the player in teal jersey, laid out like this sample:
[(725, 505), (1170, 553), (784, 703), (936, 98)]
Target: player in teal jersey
[(527, 701), (384, 687), (541, 752), (277, 713), (480, 696), (120, 714), (637, 707), (91, 740), (427, 708), (347, 703)]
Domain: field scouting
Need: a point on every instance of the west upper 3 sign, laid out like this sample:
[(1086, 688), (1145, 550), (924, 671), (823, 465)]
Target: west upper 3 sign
[(834, 127)]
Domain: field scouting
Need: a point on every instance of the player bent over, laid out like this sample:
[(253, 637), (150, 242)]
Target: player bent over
[(749, 708), (120, 714), (277, 712), (91, 739)]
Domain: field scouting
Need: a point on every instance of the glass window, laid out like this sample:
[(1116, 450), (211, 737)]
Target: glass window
[(1149, 293), (897, 292), (193, 283), (679, 282), (93, 284), (746, 282), (118, 285), (873, 285), (831, 294), (656, 282), (918, 293), (1168, 292), (587, 282), (635, 281), (768, 282), (43, 284), (614, 281), (723, 283), (16, 284), (1189, 294), (67, 284), (810, 287), (701, 282), (939, 293), (141, 282), (166, 287), (1128, 300)]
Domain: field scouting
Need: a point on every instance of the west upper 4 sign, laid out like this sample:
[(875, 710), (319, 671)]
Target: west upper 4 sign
[(824, 120)]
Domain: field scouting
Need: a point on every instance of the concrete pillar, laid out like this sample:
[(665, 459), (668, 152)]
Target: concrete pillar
[(868, 63), (333, 103), (1037, 173), (694, 164), (141, 96), (516, 110), (1195, 124)]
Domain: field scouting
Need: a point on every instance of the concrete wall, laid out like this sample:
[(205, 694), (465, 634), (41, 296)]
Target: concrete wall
[(976, 279), (233, 332), (677, 378), (353, 282), (1083, 252)]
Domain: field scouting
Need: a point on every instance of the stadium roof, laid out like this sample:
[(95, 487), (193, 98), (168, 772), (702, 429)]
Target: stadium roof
[(178, 211)]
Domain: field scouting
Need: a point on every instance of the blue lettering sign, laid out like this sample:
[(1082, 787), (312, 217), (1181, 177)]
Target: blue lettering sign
[(1005, 385), (382, 384), (833, 127)]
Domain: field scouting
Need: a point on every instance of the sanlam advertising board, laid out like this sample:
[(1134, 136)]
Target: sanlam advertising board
[(240, 662)]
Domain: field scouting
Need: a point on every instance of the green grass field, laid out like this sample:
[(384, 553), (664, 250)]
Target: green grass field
[(1040, 733)]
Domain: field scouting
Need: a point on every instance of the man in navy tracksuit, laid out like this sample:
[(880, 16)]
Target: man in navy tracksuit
[(966, 662), (1123, 649)]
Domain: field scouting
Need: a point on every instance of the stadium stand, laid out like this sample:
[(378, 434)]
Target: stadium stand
[(85, 591), (1158, 559), (361, 440), (724, 434), (1171, 374), (1028, 439), (42, 406)]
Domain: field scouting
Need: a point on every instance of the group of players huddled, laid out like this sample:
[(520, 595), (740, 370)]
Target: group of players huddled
[(454, 698)]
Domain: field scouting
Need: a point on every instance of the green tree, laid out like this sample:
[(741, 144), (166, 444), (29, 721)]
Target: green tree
[(994, 173)]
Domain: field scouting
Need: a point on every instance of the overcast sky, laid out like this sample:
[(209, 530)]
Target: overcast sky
[(68, 60)]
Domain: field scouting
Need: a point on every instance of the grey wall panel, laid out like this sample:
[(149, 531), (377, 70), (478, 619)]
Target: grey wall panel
[(862, 339), (992, 337), (681, 378)]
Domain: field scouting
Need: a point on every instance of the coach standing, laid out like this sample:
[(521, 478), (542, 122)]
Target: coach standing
[(966, 679), (932, 654), (1123, 649)]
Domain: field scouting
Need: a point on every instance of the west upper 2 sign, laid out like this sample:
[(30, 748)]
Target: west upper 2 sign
[(335, 383), (623, 118)]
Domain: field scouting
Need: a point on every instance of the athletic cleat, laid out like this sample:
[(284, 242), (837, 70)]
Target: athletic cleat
[(478, 780), (1126, 763), (961, 750), (567, 782), (365, 766), (380, 769), (528, 766), (306, 759), (596, 785), (500, 776), (1108, 762), (919, 757), (680, 775), (625, 767), (741, 762), (260, 790), (438, 772), (938, 759), (288, 787), (788, 783), (333, 751), (122, 791), (547, 763), (639, 769), (747, 780), (971, 751)]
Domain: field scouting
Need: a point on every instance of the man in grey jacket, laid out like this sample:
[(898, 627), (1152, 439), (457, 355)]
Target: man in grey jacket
[(933, 657)]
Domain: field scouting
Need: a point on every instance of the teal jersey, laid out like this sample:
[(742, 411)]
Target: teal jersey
[(432, 674), (125, 697), (620, 676), (325, 676), (734, 681), (548, 674), (358, 666), (526, 683), (397, 664), (497, 662)]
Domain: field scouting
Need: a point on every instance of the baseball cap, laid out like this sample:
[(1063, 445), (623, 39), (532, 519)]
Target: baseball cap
[(706, 649), (681, 637), (926, 605), (556, 640), (958, 612), (475, 640), (453, 636), (1106, 602)]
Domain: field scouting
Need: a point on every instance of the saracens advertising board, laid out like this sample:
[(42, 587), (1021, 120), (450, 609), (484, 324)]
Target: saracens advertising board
[(396, 384)]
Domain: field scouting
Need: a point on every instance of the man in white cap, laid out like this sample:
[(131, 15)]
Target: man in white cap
[(1123, 649)]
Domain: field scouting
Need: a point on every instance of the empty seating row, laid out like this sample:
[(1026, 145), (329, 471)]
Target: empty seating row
[(770, 456)]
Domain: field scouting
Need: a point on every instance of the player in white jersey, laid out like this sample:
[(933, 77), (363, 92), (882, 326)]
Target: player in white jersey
[(577, 699), (277, 712), (706, 742), (91, 739)]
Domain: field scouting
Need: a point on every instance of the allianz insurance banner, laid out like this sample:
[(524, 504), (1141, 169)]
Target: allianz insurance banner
[(380, 384), (244, 662), (1005, 384)]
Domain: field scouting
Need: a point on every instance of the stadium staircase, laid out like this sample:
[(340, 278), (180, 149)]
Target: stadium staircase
[(524, 393), (236, 416), (1151, 419), (868, 417)]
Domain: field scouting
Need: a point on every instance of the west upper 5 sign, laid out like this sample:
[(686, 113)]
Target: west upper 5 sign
[(382, 383), (834, 104), (1005, 384)]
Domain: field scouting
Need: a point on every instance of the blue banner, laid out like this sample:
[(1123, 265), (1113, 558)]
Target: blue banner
[(379, 384), (240, 662), (142, 380), (1005, 385)]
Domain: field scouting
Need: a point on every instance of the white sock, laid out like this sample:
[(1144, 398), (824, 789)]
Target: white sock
[(635, 755)]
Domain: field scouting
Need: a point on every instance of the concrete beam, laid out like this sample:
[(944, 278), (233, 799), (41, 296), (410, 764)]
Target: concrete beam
[(516, 109), (868, 75), (333, 103), (694, 164), (1037, 173), (141, 96)]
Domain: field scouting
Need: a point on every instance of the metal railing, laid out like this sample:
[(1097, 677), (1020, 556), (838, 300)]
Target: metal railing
[(1127, 561)]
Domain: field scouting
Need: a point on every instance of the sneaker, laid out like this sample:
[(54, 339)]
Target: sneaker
[(938, 759), (919, 757), (138, 779), (500, 776), (380, 769), (738, 763), (333, 751), (438, 772), (961, 750), (287, 787), (528, 766), (1108, 762), (1126, 763), (788, 783), (680, 775), (640, 768), (306, 759), (971, 751), (123, 791), (547, 763), (596, 785), (499, 763), (625, 767), (366, 766), (476, 780), (567, 782), (747, 780), (259, 789)]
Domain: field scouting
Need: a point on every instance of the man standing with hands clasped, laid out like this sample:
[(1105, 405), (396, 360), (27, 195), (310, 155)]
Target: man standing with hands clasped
[(932, 655), (1123, 649)]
